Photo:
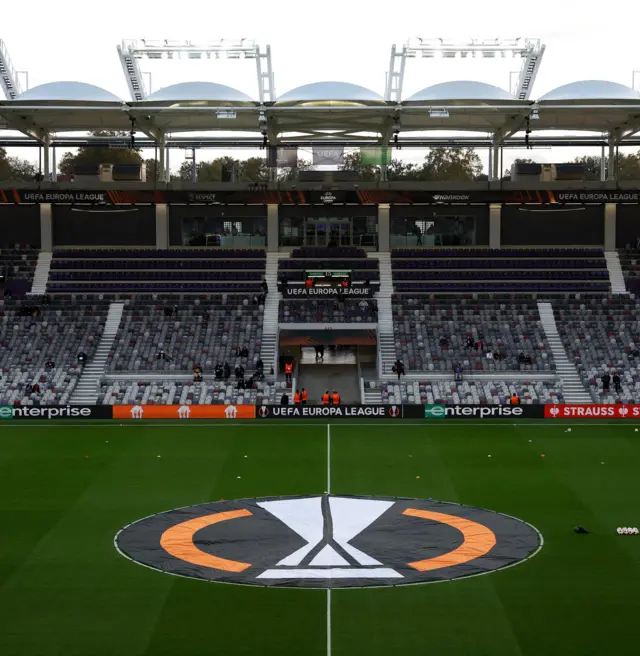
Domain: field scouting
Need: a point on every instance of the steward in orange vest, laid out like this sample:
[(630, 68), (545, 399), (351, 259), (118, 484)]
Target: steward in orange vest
[(304, 395), (515, 400), (288, 369), (297, 398), (325, 398), (335, 398)]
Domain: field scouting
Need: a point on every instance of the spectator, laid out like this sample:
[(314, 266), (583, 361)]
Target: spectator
[(197, 373), (521, 357), (244, 353), (161, 355), (398, 368), (489, 357), (239, 372), (259, 365), (82, 357), (457, 373), (471, 342), (616, 383), (227, 371), (444, 342), (284, 399), (218, 372), (28, 390), (49, 364), (265, 286), (606, 380)]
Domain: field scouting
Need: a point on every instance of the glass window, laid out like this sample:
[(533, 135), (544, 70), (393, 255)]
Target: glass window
[(236, 232), (437, 230)]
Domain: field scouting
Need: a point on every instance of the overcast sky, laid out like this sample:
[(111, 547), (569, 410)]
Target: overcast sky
[(330, 40)]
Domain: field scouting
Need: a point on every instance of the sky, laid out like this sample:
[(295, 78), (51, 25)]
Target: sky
[(338, 40)]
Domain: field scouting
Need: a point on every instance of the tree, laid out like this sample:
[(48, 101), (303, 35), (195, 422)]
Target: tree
[(452, 164), (628, 166), (254, 169), (14, 168), (291, 174), (100, 154), (353, 162), (399, 170)]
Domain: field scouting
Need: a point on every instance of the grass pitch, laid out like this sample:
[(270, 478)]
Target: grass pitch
[(66, 490)]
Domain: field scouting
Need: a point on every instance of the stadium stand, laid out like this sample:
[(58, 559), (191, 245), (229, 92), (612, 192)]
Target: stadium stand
[(350, 258), (31, 336), (630, 263), (18, 264), (468, 392), (189, 270), (435, 334), (178, 392), (329, 311), (601, 336), (207, 333), (481, 270)]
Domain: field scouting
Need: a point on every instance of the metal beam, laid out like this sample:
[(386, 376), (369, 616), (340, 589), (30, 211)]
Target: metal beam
[(531, 62), (8, 75), (159, 49), (132, 72), (24, 125)]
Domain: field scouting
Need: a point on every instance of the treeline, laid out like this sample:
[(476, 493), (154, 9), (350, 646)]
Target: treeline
[(439, 164)]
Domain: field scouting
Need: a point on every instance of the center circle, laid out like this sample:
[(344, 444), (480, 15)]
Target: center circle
[(328, 541)]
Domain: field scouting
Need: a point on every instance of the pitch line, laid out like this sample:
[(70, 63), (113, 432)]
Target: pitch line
[(328, 492)]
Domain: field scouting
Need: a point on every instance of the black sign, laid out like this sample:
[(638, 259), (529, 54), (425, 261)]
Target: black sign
[(442, 411), (9, 413), (355, 291), (302, 197), (329, 411)]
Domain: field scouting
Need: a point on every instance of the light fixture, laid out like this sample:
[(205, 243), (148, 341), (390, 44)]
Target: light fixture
[(438, 112)]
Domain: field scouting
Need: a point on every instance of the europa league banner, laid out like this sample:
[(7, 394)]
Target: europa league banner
[(331, 412)]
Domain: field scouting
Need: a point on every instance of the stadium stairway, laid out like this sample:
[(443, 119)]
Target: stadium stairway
[(41, 274), (616, 277), (86, 391), (574, 391), (385, 312), (269, 346)]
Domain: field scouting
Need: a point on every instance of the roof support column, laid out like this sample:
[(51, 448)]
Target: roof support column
[(495, 163), (495, 225), (46, 159), (273, 228), (167, 166), (603, 165), (161, 159), (612, 173)]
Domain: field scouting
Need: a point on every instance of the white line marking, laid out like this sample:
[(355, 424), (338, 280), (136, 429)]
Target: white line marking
[(328, 492)]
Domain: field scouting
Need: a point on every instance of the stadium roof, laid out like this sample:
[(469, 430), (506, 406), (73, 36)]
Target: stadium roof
[(461, 91), (592, 90), (323, 111), (331, 93), (75, 92), (189, 92)]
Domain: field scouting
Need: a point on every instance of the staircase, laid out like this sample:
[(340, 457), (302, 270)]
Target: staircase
[(41, 274), (269, 346), (86, 391), (385, 313), (372, 396), (572, 387), (616, 277)]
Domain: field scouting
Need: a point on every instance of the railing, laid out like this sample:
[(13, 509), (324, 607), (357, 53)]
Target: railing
[(235, 241)]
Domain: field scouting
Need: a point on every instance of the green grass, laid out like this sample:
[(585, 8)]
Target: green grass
[(65, 590)]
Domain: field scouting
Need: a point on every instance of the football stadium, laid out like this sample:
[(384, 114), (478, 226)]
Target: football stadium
[(346, 405)]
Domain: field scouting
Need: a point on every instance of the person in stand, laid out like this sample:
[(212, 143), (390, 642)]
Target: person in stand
[(49, 364), (259, 365), (616, 382), (239, 372), (297, 398), (606, 380), (288, 372), (326, 398), (265, 287), (197, 373), (398, 368), (515, 399), (227, 371), (335, 398), (471, 343), (218, 372), (244, 353), (82, 357), (284, 399), (457, 373)]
